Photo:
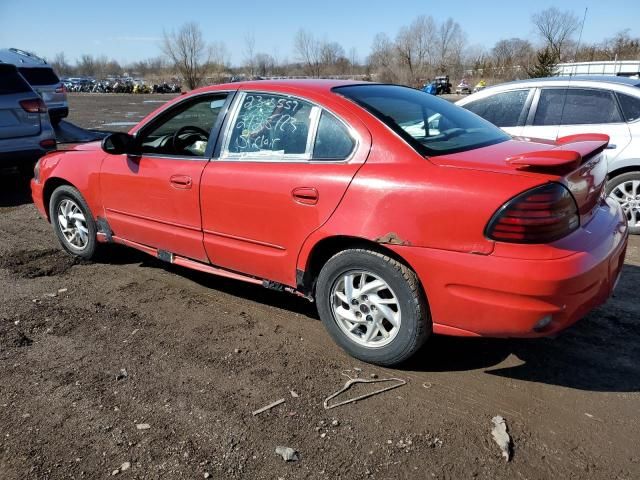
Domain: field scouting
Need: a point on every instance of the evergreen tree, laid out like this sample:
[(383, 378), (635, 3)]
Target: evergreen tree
[(545, 66)]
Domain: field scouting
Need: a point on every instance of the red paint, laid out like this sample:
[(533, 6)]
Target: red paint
[(255, 220)]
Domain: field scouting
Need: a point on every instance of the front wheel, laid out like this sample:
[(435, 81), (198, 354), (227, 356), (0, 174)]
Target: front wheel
[(373, 306), (625, 189), (73, 222)]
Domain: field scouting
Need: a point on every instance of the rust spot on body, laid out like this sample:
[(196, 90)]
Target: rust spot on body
[(391, 238)]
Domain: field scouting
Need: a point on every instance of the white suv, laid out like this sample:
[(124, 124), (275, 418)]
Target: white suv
[(554, 107)]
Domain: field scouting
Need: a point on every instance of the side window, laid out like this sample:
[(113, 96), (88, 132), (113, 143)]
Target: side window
[(333, 141), (630, 106), (576, 106), (185, 129), (271, 125), (588, 106), (502, 109)]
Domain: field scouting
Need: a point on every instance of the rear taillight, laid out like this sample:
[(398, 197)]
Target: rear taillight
[(540, 215), (35, 105), (61, 89)]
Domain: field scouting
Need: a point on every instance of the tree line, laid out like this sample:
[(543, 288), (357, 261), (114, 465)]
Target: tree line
[(415, 54)]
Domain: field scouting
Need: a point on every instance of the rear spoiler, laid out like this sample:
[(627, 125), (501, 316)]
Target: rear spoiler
[(570, 152)]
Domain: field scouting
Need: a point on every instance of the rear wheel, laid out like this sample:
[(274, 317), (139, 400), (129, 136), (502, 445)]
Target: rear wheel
[(373, 306), (73, 222), (625, 189)]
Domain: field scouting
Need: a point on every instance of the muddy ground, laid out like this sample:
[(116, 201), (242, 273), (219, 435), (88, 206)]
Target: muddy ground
[(90, 350)]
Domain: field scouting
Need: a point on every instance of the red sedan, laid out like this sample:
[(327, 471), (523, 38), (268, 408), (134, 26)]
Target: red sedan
[(399, 213)]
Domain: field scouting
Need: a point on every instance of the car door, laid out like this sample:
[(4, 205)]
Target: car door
[(153, 198), (507, 110), (570, 110), (283, 167)]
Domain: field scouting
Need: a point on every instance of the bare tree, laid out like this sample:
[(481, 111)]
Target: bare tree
[(309, 52), (86, 65), (415, 49), (189, 53), (250, 53), (512, 57), (450, 41), (264, 64), (60, 64), (556, 28), (382, 58)]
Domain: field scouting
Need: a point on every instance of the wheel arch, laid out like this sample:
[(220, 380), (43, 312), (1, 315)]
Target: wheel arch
[(50, 186), (327, 247), (635, 167)]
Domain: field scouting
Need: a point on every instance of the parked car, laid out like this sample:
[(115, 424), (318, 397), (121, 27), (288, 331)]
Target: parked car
[(550, 108), (341, 193), (25, 130), (42, 79)]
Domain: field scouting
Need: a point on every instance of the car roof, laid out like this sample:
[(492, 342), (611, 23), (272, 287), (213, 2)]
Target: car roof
[(21, 58), (633, 82), (320, 85)]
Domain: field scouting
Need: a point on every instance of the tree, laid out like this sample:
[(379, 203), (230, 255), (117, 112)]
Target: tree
[(308, 51), (60, 64), (545, 66), (189, 53), (556, 28), (250, 54), (450, 41), (511, 56)]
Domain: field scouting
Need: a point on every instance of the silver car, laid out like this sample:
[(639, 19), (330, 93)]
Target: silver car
[(25, 130), (42, 79), (554, 107)]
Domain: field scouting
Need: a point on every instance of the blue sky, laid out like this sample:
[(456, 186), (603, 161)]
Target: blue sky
[(129, 30)]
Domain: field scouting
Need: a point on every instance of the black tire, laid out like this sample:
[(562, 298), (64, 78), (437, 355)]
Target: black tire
[(68, 192), (415, 324), (616, 181)]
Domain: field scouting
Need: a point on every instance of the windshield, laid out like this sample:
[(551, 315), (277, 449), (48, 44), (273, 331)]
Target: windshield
[(431, 125)]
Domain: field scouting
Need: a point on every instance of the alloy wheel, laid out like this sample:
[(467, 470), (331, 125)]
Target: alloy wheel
[(366, 309), (73, 224), (627, 194)]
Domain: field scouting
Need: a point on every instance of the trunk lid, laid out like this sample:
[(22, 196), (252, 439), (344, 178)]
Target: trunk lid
[(15, 122), (576, 161)]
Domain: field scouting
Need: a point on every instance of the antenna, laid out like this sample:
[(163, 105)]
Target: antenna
[(584, 19)]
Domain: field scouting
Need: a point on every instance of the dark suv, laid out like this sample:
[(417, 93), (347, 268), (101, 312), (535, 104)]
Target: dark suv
[(25, 130), (42, 78)]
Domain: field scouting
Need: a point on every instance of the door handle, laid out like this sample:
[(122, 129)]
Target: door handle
[(305, 195), (181, 181)]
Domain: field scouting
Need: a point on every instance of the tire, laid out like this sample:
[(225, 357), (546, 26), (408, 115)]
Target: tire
[(625, 189), (401, 300), (67, 202)]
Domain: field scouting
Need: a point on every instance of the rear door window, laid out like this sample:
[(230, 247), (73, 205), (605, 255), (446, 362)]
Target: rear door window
[(39, 75), (576, 106), (270, 126), (630, 106), (11, 81), (506, 109)]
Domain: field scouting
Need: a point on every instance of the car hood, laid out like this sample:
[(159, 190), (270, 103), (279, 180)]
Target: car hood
[(495, 157)]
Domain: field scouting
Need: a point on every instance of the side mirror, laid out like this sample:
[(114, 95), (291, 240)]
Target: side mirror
[(118, 143)]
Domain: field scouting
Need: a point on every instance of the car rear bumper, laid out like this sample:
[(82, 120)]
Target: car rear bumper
[(488, 295)]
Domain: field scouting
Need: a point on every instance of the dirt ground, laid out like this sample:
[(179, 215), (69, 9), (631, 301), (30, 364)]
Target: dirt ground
[(91, 350)]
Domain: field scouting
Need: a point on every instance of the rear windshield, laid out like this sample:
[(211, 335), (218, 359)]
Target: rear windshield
[(431, 125), (39, 75), (11, 81)]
